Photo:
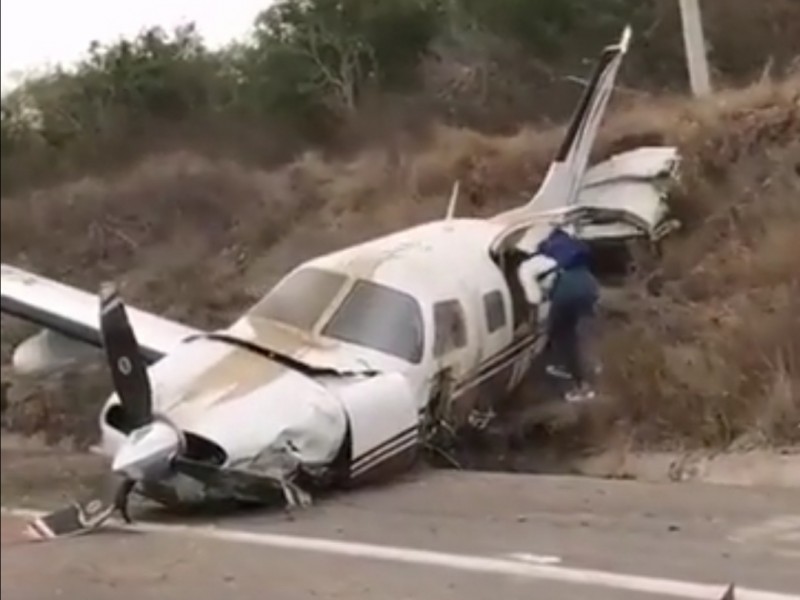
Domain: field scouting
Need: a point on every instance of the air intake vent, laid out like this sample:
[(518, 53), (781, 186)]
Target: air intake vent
[(203, 450)]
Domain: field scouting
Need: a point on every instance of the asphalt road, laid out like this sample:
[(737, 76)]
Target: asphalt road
[(440, 535)]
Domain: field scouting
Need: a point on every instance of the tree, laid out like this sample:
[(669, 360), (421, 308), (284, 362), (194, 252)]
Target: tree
[(548, 27), (155, 74), (333, 49)]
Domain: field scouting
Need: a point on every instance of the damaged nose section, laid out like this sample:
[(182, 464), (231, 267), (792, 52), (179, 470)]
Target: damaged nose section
[(147, 452)]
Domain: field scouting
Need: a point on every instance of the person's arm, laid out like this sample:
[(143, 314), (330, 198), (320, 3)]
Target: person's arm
[(533, 274)]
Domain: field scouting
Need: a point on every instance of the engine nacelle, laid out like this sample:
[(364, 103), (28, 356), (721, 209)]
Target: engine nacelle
[(48, 351)]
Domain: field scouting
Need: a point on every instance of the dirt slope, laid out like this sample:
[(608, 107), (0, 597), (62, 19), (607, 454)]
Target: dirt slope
[(706, 350)]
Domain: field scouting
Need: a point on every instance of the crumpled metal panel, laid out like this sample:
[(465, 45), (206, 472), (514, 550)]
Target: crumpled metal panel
[(635, 182), (646, 163)]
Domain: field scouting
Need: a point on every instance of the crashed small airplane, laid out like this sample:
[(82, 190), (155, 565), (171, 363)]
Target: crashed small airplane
[(349, 365)]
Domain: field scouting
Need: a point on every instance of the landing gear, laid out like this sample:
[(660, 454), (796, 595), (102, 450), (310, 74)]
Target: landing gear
[(438, 434)]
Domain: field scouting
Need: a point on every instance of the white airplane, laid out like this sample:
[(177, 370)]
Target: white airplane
[(344, 369)]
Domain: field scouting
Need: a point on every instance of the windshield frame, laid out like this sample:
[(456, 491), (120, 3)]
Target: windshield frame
[(308, 324)]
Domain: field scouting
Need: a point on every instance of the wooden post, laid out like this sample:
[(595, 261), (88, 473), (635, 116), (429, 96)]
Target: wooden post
[(695, 45)]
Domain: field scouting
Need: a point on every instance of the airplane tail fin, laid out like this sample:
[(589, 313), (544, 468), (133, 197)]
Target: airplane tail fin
[(563, 179)]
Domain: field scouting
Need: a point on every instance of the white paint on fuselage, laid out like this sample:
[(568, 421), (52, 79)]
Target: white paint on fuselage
[(246, 403)]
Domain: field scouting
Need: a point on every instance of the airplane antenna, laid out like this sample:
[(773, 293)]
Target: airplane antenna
[(451, 206)]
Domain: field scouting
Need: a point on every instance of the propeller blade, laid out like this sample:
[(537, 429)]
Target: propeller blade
[(83, 515), (122, 497), (128, 371)]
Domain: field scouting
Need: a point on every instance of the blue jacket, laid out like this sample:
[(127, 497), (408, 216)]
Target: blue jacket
[(567, 251)]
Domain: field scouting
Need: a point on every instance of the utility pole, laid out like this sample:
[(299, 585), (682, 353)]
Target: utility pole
[(695, 44)]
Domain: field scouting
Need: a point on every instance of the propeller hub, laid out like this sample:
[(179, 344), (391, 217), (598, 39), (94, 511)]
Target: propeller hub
[(147, 452)]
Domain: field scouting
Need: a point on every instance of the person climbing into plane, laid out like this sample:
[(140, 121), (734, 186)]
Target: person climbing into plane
[(574, 294)]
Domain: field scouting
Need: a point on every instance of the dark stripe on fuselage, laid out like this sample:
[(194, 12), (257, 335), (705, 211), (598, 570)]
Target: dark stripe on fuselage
[(509, 353), (497, 367), (388, 451), (493, 375), (375, 450), (395, 463)]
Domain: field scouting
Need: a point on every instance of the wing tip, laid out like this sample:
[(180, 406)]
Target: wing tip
[(108, 290), (109, 297)]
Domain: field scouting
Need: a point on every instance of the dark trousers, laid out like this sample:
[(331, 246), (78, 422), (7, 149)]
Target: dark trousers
[(574, 297)]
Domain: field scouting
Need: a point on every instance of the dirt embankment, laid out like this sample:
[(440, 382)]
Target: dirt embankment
[(705, 352)]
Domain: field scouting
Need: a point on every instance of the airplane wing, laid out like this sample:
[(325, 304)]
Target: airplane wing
[(75, 314)]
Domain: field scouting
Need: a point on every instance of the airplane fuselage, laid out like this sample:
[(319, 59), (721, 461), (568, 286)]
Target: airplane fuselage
[(428, 306)]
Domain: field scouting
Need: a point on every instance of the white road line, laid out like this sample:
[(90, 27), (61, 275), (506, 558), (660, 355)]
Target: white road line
[(536, 559), (475, 564)]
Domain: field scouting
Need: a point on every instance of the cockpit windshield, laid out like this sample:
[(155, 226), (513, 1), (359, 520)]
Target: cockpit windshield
[(381, 318), (300, 299)]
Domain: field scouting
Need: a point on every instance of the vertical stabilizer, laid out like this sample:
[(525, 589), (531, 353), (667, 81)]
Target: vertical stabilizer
[(563, 180)]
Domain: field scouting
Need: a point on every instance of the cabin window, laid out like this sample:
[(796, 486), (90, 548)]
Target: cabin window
[(380, 318), (300, 298), (495, 310), (450, 326)]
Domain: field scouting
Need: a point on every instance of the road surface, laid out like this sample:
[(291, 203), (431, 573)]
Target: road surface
[(440, 535)]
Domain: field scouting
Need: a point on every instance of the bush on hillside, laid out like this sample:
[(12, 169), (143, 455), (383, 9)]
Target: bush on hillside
[(311, 66), (704, 351)]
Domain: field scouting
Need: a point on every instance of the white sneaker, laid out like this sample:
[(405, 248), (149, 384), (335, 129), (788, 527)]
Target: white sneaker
[(580, 395), (480, 419), (558, 372)]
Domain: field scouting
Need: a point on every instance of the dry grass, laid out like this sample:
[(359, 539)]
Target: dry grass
[(713, 357)]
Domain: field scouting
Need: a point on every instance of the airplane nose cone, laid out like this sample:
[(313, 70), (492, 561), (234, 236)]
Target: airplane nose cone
[(147, 451)]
